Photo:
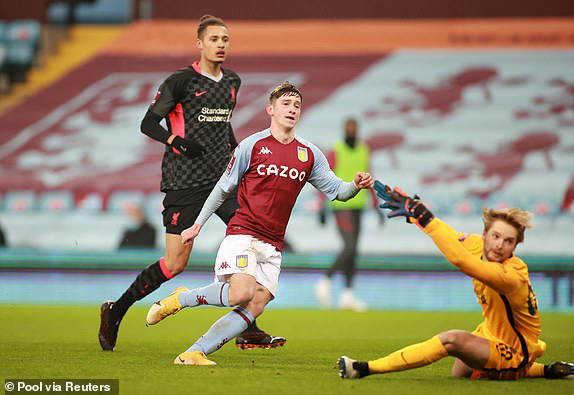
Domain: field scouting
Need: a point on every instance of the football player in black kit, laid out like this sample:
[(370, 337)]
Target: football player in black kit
[(196, 102)]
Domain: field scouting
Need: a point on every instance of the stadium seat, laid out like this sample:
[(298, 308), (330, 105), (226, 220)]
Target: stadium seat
[(119, 201), (20, 201), (56, 201), (443, 202), (3, 53), (91, 202), (19, 59), (4, 86), (506, 198), (466, 206), (3, 30), (21, 40), (543, 205), (24, 31)]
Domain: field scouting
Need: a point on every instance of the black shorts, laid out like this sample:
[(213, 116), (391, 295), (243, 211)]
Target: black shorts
[(182, 207)]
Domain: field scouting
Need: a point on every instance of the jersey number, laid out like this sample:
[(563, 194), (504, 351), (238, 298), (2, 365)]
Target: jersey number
[(505, 351)]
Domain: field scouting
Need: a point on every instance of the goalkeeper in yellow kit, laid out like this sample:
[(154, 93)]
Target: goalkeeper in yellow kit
[(506, 344)]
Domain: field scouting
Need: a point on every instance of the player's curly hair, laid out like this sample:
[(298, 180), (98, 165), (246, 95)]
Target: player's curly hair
[(285, 88), (208, 20), (518, 218)]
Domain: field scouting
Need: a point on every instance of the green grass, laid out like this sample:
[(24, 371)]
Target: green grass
[(61, 342)]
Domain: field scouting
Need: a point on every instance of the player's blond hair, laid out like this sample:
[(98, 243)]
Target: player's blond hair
[(518, 218), (208, 20), (285, 88)]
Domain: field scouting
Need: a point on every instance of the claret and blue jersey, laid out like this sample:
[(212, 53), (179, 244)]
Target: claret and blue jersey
[(270, 176)]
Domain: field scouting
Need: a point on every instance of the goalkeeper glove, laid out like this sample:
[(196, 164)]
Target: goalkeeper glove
[(188, 148), (402, 204)]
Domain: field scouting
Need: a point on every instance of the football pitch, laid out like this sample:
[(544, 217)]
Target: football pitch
[(56, 342)]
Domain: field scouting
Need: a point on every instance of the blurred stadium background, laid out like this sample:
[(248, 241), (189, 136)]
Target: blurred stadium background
[(467, 103)]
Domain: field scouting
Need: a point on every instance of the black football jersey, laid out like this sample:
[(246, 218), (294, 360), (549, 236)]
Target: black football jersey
[(197, 108)]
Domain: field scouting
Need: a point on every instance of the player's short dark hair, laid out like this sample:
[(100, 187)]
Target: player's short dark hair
[(285, 88), (208, 20)]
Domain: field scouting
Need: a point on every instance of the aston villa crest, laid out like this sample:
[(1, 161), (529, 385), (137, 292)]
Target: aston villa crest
[(302, 154)]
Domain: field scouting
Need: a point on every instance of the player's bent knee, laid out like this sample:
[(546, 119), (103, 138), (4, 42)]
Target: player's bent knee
[(453, 340)]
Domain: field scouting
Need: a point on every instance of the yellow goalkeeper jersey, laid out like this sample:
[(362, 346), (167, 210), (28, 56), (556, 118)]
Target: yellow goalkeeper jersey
[(503, 290)]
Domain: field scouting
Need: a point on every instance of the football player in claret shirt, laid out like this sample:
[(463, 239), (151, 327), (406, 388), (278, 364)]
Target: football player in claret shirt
[(506, 344), (197, 103), (270, 168)]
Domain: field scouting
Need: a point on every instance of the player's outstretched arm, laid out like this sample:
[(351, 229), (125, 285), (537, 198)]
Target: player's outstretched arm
[(447, 240), (348, 190)]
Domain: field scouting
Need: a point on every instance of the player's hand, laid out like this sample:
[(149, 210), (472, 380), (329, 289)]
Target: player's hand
[(188, 148), (401, 204), (189, 234), (363, 180)]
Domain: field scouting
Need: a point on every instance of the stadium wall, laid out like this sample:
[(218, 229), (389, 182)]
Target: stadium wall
[(363, 9)]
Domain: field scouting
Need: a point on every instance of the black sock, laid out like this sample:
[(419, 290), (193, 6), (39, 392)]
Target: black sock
[(362, 368), (121, 306), (145, 283), (252, 327)]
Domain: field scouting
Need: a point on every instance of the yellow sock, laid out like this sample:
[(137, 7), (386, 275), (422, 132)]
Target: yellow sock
[(536, 370), (417, 355)]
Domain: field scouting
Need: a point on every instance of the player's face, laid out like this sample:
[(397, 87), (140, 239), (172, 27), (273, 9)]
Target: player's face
[(285, 111), (213, 45), (499, 241)]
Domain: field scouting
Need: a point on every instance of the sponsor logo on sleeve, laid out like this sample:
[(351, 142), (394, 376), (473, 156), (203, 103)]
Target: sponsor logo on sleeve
[(230, 164), (156, 97)]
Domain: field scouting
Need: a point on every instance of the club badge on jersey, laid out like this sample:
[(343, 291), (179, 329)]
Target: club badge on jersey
[(302, 154), (241, 261)]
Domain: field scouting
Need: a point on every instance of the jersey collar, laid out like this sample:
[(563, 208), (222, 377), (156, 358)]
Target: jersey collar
[(196, 67)]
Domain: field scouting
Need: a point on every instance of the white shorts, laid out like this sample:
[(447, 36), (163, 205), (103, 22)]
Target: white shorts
[(247, 254)]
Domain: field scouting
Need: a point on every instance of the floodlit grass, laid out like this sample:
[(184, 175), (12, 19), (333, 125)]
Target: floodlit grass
[(61, 342)]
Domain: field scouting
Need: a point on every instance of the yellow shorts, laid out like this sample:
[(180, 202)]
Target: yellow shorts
[(503, 361)]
